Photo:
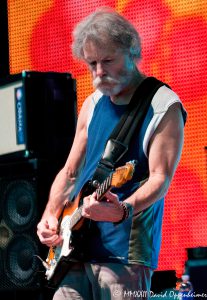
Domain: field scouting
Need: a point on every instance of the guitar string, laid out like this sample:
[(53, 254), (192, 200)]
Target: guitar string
[(100, 191)]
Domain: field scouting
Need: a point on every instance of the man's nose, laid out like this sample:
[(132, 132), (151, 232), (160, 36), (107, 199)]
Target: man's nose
[(100, 70)]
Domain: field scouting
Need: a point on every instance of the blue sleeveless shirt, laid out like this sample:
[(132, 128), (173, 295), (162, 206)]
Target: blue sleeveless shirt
[(137, 239)]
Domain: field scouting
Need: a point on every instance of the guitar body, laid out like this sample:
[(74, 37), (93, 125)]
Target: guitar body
[(74, 228), (60, 257), (73, 206)]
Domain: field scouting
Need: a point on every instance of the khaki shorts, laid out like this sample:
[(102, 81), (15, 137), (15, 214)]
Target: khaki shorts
[(105, 281)]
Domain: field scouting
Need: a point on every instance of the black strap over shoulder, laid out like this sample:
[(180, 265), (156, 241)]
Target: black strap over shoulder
[(131, 121)]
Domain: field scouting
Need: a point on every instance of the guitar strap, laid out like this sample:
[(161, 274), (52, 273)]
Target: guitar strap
[(130, 122)]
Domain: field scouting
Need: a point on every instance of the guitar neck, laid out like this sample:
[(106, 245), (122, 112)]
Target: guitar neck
[(103, 188), (100, 191)]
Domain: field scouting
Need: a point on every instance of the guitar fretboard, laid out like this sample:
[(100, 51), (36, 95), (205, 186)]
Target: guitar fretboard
[(101, 190), (104, 187)]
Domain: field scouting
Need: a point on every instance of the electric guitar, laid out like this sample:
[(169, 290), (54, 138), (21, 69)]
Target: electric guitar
[(71, 219)]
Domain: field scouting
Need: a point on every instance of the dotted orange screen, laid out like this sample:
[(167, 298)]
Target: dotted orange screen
[(173, 34)]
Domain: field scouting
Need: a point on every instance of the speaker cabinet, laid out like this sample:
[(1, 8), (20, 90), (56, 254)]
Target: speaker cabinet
[(38, 116), (197, 270), (163, 280), (24, 188), (50, 105), (37, 126)]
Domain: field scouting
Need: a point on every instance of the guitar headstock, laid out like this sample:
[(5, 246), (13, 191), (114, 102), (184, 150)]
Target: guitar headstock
[(123, 174)]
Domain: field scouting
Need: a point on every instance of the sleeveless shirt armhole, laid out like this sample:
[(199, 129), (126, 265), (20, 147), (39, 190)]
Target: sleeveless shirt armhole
[(162, 100), (95, 97)]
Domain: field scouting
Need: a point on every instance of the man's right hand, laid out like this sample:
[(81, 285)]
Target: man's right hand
[(47, 231)]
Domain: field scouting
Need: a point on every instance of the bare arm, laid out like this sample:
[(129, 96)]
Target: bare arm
[(64, 182), (164, 154)]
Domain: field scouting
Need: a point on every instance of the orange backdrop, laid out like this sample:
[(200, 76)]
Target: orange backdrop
[(173, 34)]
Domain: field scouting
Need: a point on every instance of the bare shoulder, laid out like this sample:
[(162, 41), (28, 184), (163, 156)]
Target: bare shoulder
[(83, 114), (173, 120), (85, 109), (77, 152), (167, 141)]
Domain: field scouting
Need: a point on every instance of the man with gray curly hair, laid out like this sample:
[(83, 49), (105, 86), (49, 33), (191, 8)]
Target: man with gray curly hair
[(121, 249), (106, 26)]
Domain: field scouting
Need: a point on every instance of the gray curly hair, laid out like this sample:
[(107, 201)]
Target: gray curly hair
[(106, 27)]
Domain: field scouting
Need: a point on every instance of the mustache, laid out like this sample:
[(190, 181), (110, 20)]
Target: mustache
[(106, 79)]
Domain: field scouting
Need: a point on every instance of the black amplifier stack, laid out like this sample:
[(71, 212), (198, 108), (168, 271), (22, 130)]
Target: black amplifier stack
[(37, 125)]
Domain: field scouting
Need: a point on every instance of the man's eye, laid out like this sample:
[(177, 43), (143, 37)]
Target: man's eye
[(92, 64), (108, 61)]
